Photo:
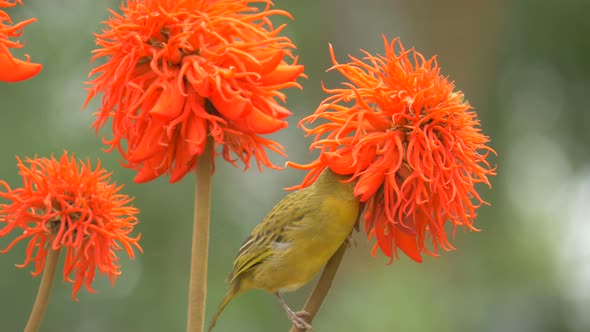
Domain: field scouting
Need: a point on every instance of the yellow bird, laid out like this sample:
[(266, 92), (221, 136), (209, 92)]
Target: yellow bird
[(294, 241)]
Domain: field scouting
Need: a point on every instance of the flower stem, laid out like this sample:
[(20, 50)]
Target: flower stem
[(315, 300), (44, 291), (200, 247)]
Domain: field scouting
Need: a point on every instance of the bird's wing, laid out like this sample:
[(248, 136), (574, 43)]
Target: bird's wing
[(258, 245)]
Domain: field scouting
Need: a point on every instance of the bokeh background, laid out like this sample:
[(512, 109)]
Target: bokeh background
[(522, 64)]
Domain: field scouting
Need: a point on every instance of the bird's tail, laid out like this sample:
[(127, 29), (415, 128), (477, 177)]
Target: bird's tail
[(233, 291)]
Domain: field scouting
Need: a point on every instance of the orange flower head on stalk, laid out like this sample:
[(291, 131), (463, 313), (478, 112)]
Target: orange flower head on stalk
[(66, 204), (410, 142), (12, 69), (179, 71)]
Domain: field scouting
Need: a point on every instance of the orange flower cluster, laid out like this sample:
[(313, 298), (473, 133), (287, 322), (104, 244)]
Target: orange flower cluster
[(179, 71), (412, 144), (12, 69), (63, 204)]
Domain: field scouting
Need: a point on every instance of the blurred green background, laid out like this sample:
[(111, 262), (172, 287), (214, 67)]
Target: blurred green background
[(522, 64)]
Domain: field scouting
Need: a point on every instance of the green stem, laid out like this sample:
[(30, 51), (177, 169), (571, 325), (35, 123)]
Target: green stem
[(200, 246), (44, 291), (320, 291)]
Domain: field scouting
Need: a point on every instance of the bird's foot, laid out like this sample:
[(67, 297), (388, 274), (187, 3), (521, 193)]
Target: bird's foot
[(303, 314), (299, 320)]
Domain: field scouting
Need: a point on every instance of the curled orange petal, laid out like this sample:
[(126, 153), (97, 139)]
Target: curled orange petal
[(384, 237), (265, 66), (283, 73), (280, 111), (261, 123), (408, 244), (379, 122), (150, 138), (184, 161), (169, 104), (196, 135), (370, 181), (146, 173), (233, 108), (15, 70), (340, 161)]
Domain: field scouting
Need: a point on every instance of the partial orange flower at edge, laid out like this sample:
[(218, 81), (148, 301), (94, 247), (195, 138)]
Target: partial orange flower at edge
[(67, 204), (177, 72), (11, 68), (412, 144)]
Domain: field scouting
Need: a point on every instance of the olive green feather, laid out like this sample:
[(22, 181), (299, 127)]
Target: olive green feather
[(258, 245)]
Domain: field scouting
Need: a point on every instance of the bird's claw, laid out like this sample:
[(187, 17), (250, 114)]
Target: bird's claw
[(303, 314), (298, 319)]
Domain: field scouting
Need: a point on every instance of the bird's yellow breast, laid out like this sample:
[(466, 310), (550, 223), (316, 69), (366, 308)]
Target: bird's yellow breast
[(308, 244)]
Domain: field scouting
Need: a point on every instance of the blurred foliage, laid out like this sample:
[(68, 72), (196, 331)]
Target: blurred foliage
[(522, 65)]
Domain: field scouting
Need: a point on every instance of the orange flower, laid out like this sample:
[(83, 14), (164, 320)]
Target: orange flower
[(75, 208), (411, 143), (179, 71), (12, 69)]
